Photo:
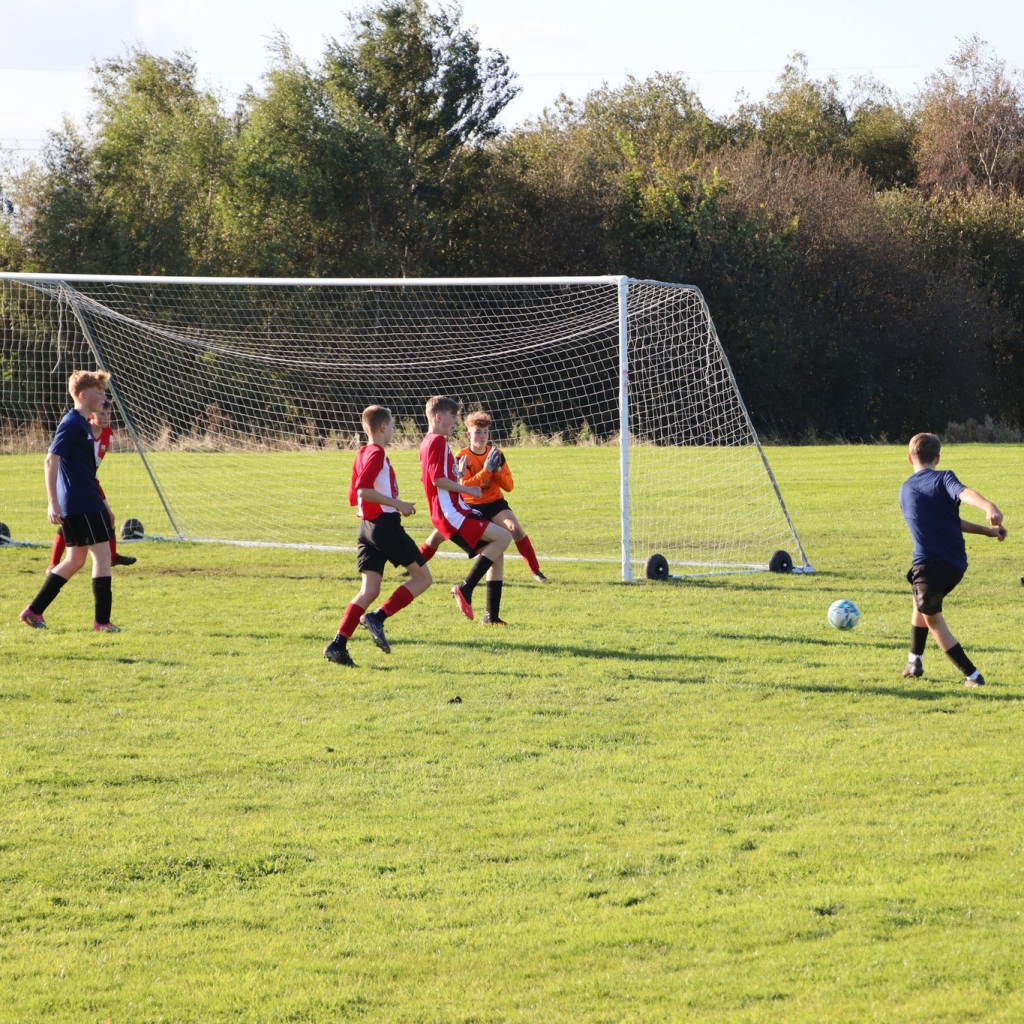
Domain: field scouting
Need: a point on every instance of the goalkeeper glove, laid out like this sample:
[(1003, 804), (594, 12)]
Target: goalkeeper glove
[(494, 461), (460, 466)]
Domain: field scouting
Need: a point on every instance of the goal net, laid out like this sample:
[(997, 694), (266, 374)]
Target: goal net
[(238, 403)]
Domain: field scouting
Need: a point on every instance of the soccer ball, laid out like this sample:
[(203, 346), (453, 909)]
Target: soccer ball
[(843, 614)]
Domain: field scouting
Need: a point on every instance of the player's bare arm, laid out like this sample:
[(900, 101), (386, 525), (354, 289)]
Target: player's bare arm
[(407, 508), (971, 497), (999, 532), (442, 483), (51, 467)]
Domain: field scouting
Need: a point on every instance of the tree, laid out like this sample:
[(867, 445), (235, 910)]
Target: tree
[(811, 118), (657, 119), (12, 249), (59, 206), (801, 115), (309, 189), (421, 78), (882, 136), (135, 193), (158, 156), (976, 236), (590, 183), (971, 123), (873, 336)]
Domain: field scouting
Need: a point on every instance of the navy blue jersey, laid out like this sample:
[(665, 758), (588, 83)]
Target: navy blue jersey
[(930, 500), (78, 490)]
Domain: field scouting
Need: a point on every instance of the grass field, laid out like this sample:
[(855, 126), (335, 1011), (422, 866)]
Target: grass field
[(651, 802)]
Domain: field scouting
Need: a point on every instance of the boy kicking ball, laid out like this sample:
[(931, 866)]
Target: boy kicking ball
[(930, 501), (76, 503), (382, 539), (453, 518)]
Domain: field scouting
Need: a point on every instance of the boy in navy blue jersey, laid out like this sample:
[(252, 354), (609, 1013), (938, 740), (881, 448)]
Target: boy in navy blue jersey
[(102, 437), (930, 501), (382, 539), (76, 503)]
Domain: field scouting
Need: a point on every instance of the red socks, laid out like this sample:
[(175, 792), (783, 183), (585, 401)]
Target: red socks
[(427, 552), (58, 551), (525, 548), (349, 621), (353, 613), (397, 601)]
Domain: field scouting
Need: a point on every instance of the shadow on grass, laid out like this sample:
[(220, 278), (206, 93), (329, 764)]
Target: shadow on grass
[(888, 645), (102, 654), (769, 581), (748, 581), (941, 692), (577, 652)]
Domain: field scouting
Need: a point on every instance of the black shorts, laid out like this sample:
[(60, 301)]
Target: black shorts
[(489, 509), (931, 582), (83, 531), (384, 540), (60, 529)]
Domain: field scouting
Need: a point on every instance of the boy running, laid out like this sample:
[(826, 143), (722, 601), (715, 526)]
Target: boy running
[(484, 466), (102, 436), (382, 539), (454, 519), (930, 501), (76, 503)]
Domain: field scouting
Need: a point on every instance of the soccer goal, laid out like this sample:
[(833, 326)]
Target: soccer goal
[(238, 402)]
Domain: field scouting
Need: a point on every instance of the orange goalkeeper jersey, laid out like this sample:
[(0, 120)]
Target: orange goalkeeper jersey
[(490, 484)]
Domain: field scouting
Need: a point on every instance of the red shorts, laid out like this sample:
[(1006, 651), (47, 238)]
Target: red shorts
[(470, 534)]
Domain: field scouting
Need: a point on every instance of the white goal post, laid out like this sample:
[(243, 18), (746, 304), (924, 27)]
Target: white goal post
[(238, 402)]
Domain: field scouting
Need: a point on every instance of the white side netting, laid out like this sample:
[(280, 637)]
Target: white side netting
[(701, 491), (245, 400)]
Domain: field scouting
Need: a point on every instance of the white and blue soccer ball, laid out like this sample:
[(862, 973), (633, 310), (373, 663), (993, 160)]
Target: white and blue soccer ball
[(843, 614)]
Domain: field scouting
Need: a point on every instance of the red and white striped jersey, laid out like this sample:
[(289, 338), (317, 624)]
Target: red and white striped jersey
[(102, 444), (372, 469), (447, 509)]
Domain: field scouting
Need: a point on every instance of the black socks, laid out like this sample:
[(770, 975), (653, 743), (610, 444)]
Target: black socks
[(49, 590), (476, 574), (918, 636), (494, 599), (103, 598), (962, 662)]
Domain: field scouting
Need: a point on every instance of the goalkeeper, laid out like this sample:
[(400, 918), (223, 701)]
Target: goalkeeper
[(484, 466)]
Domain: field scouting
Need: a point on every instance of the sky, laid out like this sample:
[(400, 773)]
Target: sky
[(555, 46)]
